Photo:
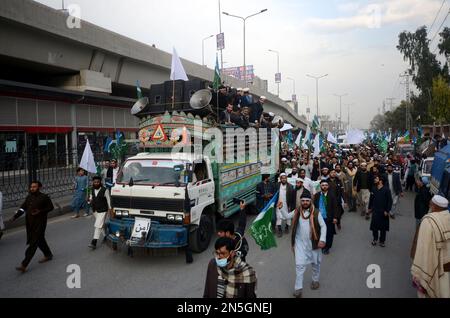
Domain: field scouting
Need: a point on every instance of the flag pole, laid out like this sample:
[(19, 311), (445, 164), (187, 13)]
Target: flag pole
[(173, 94)]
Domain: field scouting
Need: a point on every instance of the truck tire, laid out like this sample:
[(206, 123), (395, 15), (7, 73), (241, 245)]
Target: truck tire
[(199, 239)]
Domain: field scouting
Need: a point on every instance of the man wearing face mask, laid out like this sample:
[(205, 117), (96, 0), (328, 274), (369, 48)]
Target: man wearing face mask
[(225, 228), (228, 276)]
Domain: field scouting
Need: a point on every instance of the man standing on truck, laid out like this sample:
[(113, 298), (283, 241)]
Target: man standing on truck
[(225, 228), (228, 276), (100, 201), (111, 174)]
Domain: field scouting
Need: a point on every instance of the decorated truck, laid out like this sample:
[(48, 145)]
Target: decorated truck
[(169, 195)]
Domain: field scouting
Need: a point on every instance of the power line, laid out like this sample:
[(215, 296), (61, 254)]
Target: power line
[(437, 32), (435, 18)]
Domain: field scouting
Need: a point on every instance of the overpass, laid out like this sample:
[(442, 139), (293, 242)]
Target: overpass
[(39, 48)]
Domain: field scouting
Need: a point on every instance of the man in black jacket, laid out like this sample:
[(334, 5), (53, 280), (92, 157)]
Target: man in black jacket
[(325, 201), (380, 205), (337, 188), (421, 201), (225, 228), (228, 276), (265, 190), (36, 207)]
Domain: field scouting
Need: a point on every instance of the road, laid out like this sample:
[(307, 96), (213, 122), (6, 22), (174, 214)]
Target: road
[(105, 273)]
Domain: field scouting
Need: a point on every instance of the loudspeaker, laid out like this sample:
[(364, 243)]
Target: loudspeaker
[(179, 94), (193, 86)]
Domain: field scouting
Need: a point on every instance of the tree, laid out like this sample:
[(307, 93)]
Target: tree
[(424, 67), (440, 104), (378, 122)]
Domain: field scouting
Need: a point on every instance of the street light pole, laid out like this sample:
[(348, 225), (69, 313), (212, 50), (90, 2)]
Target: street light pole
[(244, 20), (348, 114), (317, 78), (278, 68), (203, 48), (340, 109), (293, 93)]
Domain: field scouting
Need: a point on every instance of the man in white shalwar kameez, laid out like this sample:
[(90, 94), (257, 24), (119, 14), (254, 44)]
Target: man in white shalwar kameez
[(308, 238)]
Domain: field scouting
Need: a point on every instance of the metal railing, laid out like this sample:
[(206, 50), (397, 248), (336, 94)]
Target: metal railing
[(56, 172)]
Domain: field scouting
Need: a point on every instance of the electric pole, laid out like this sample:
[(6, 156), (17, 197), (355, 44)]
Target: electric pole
[(408, 99), (391, 100)]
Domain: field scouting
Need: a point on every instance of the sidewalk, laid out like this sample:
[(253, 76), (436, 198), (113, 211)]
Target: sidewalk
[(61, 204)]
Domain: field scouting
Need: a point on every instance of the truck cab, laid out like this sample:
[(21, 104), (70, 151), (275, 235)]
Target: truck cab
[(174, 193)]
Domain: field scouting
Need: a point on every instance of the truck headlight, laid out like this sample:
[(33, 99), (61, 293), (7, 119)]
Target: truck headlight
[(171, 217), (118, 212), (125, 213), (117, 233), (179, 218)]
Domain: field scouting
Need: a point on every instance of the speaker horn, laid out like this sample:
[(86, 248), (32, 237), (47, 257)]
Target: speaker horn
[(201, 99), (139, 105)]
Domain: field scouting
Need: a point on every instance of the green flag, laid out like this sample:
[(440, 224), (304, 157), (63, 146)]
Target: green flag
[(261, 229), (217, 80), (384, 146)]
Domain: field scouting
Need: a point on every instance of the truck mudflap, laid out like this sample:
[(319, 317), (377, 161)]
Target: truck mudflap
[(160, 235)]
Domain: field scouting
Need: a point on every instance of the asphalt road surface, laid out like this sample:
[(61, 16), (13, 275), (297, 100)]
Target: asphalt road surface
[(105, 273)]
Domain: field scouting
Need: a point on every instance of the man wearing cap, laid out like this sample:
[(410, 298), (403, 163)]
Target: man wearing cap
[(256, 111), (325, 173), (325, 201), (238, 99), (100, 201), (308, 238), (286, 203), (380, 206), (307, 182), (247, 99), (431, 262), (299, 191), (361, 182)]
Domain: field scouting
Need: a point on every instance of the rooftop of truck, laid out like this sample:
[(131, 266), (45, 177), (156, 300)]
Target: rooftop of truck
[(163, 156)]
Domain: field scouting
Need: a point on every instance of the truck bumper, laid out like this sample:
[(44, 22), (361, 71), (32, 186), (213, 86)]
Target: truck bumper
[(160, 235)]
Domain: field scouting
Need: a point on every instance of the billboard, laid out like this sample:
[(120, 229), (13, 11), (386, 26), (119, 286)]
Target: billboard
[(238, 72)]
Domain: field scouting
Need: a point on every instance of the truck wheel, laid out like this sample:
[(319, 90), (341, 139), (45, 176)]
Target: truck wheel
[(199, 239)]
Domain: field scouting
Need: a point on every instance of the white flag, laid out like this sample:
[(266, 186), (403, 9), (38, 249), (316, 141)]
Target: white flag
[(331, 138), (177, 72), (307, 138), (316, 146), (87, 161), (355, 137)]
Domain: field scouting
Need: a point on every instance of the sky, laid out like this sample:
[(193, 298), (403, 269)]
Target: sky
[(352, 41)]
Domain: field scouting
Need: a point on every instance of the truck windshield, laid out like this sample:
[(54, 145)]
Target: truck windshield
[(151, 172), (427, 166)]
